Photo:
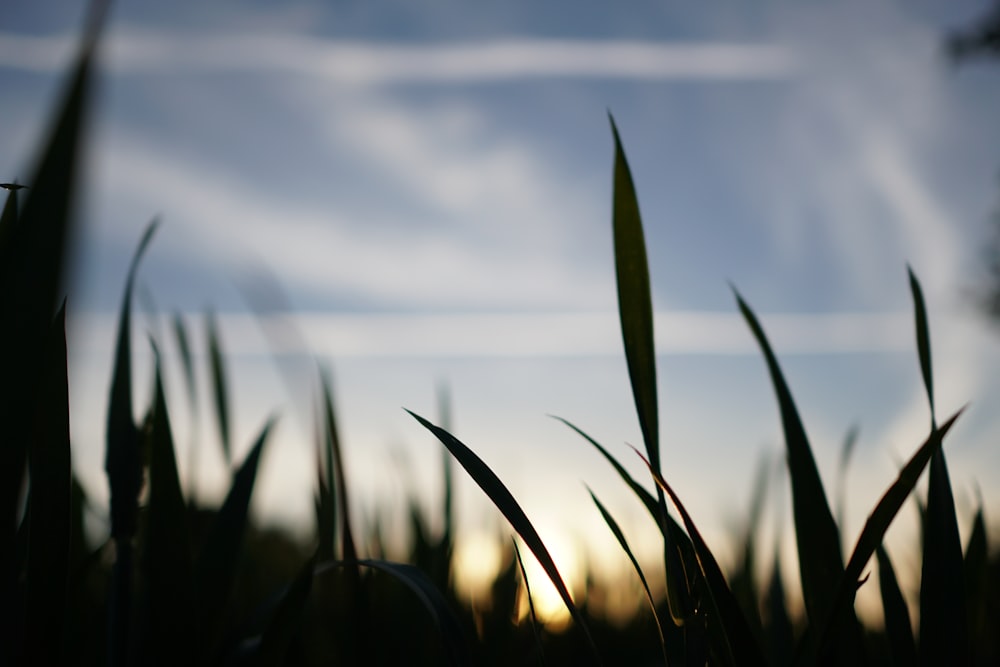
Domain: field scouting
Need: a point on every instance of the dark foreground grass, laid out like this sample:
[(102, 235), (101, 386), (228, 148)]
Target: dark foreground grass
[(180, 583)]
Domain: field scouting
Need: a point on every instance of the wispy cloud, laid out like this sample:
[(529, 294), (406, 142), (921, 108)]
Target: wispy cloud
[(370, 63)]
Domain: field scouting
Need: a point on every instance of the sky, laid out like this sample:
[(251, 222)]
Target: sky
[(417, 195)]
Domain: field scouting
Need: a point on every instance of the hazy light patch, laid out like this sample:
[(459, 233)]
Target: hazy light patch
[(135, 50), (478, 558), (549, 606)]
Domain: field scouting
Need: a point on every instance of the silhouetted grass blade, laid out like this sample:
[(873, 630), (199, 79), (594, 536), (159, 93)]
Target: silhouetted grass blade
[(635, 304), (431, 598), (216, 566), (898, 630), (778, 631), (167, 548), (531, 603), (49, 517), (620, 536), (923, 340), (943, 624), (335, 455), (816, 534), (976, 581), (220, 388), (509, 507), (846, 449), (675, 540), (737, 641), (123, 463), (875, 528)]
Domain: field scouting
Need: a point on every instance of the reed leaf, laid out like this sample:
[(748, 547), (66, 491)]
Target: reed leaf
[(898, 631), (923, 339), (976, 581), (335, 465), (498, 493), (531, 603)]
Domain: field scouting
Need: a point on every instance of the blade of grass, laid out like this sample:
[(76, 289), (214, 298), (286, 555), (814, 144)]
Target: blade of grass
[(620, 536), (846, 449), (817, 538), (875, 528), (509, 507), (531, 603), (123, 463), (187, 365), (898, 630), (431, 598), (943, 623), (49, 531), (335, 455), (220, 389), (215, 570), (735, 638), (167, 548), (976, 580)]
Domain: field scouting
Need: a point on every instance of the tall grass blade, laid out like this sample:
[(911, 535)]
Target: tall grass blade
[(215, 569), (817, 538), (623, 543), (183, 341), (778, 631), (123, 463), (31, 272), (531, 603), (509, 507), (220, 388), (874, 531), (49, 518), (431, 598), (447, 475), (923, 339), (734, 640), (898, 630), (976, 582), (843, 463), (335, 455), (167, 548)]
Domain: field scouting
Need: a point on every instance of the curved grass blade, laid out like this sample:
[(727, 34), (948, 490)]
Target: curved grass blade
[(875, 528), (976, 586), (429, 596), (215, 569), (923, 340), (123, 463), (167, 549), (898, 630), (531, 603), (816, 534), (220, 389), (509, 507), (620, 536), (735, 639), (49, 532)]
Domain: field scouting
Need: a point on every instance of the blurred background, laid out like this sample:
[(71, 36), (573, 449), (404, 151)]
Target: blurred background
[(417, 195)]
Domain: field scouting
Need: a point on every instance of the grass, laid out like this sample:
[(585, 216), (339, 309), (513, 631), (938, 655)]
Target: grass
[(180, 583)]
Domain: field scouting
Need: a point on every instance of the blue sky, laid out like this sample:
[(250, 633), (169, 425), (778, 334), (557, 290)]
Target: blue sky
[(430, 185)]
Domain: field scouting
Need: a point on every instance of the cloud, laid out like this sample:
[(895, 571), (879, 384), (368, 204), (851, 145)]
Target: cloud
[(135, 50)]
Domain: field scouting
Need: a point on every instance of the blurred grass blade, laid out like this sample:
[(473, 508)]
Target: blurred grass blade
[(923, 340), (447, 474), (335, 456), (778, 632), (216, 567), (875, 528), (620, 536), (843, 463), (431, 598), (220, 389), (123, 463), (49, 531), (509, 507), (816, 534), (167, 548), (898, 630), (531, 603), (183, 341), (738, 645)]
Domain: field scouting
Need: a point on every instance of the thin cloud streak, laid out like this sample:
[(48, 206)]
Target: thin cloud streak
[(371, 63)]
